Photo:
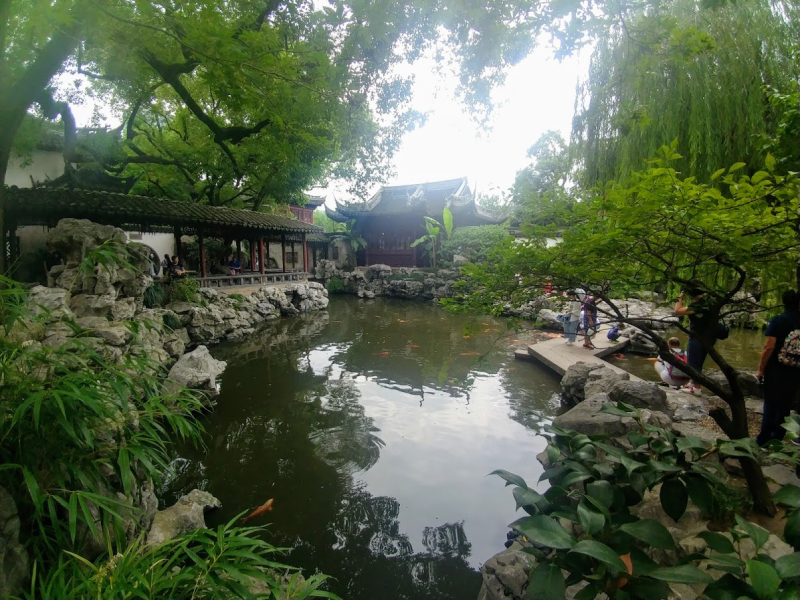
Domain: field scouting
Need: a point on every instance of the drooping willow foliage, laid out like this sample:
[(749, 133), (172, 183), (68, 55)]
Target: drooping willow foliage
[(698, 74)]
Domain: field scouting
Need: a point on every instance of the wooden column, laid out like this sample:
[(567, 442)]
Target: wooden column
[(283, 250), (178, 249), (201, 243), (252, 255), (238, 249), (261, 255), (294, 256), (305, 254), (266, 261)]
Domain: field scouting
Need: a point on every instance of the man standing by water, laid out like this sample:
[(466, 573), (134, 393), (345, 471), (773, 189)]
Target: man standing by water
[(702, 332), (781, 378)]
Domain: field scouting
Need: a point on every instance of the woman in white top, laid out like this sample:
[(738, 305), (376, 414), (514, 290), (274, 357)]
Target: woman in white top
[(573, 314)]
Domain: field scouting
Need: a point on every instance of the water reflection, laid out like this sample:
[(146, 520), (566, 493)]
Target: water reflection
[(373, 429)]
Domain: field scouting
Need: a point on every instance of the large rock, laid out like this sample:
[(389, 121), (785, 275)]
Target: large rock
[(14, 560), (587, 417), (197, 370), (640, 394), (74, 239), (574, 381), (640, 343), (90, 305), (600, 381), (185, 516), (505, 575), (746, 380), (55, 302)]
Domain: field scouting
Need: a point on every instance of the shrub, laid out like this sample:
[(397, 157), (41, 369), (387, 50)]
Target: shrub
[(583, 524), (183, 290), (154, 295), (474, 243), (335, 285), (171, 321)]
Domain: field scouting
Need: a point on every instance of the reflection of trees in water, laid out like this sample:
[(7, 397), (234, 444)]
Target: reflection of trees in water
[(447, 540), (343, 435)]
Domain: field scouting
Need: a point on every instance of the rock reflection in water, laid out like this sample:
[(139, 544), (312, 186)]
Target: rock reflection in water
[(373, 428)]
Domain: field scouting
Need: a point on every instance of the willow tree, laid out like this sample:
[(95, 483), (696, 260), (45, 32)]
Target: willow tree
[(701, 75)]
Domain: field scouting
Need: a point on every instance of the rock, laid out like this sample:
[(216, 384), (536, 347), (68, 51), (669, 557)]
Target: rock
[(90, 305), (54, 301), (459, 260), (600, 381), (640, 394), (586, 417), (685, 407), (746, 379), (574, 381), (74, 239), (774, 547), (197, 370), (640, 343), (180, 308), (782, 475), (185, 516), (92, 322), (123, 309), (116, 335), (698, 431), (505, 575), (14, 561), (548, 319)]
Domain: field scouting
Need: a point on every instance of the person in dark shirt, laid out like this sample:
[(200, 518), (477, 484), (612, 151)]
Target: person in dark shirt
[(235, 265), (176, 268), (781, 382), (702, 324)]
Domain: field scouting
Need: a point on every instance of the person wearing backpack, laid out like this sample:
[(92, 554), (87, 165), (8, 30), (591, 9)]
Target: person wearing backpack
[(670, 375), (779, 368)]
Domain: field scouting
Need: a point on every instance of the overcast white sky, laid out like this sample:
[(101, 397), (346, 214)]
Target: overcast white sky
[(539, 94)]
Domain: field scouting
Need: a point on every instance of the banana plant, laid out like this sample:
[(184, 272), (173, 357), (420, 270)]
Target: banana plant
[(434, 229), (347, 232)]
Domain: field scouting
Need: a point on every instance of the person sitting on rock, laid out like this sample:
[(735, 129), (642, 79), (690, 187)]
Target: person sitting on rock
[(670, 375)]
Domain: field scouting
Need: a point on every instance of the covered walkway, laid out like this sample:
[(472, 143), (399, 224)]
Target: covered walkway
[(47, 206)]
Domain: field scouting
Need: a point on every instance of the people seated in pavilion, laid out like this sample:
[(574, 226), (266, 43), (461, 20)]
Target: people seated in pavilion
[(176, 268), (234, 265)]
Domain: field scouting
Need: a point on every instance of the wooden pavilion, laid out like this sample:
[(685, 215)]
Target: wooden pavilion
[(393, 218), (46, 206)]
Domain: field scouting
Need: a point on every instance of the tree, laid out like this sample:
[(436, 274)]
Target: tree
[(433, 228), (682, 70), (732, 236), (349, 233)]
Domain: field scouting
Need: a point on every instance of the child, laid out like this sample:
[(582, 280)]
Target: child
[(613, 334), (669, 374)]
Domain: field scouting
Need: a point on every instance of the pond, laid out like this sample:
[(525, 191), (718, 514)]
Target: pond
[(373, 426)]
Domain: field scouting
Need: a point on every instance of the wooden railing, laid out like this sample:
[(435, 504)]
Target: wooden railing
[(219, 281)]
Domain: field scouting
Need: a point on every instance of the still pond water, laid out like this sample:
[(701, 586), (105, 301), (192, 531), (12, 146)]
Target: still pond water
[(373, 426)]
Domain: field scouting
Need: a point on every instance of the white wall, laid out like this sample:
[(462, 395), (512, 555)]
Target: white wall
[(162, 243), (43, 165)]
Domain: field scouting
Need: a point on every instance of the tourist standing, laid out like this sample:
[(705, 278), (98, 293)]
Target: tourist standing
[(572, 318), (166, 265), (779, 368), (590, 321), (702, 332), (176, 268)]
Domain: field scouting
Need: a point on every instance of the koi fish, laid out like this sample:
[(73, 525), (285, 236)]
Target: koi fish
[(516, 342), (553, 335), (489, 330), (470, 354), (383, 354), (466, 337), (619, 356), (266, 507), (413, 346), (620, 583), (485, 324), (401, 321)]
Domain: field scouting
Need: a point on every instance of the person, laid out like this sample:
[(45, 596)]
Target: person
[(234, 265), (669, 374), (614, 334), (176, 268), (590, 321), (166, 266), (702, 328), (572, 318), (781, 379)]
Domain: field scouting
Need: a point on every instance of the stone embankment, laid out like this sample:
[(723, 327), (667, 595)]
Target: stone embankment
[(102, 302), (588, 387)]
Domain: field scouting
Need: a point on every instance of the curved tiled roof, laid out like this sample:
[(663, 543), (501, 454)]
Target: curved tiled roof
[(46, 206)]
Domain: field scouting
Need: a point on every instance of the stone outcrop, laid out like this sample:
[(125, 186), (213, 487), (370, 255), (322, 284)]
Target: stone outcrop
[(185, 516), (587, 417), (582, 379), (196, 370), (505, 575), (639, 394), (14, 561)]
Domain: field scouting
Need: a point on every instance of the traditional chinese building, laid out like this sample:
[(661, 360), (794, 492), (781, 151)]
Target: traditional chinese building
[(393, 218)]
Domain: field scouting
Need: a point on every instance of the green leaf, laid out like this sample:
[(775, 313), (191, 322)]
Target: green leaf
[(736, 166), (728, 587), (726, 562), (648, 588), (788, 566), (545, 531), (447, 220), (674, 498), (526, 497), (650, 532), (589, 519), (700, 493), (791, 531), (716, 174), (546, 583), (681, 574), (764, 579), (717, 542), (769, 162), (601, 552), (754, 532), (72, 514), (33, 488), (788, 495), (510, 478), (602, 492)]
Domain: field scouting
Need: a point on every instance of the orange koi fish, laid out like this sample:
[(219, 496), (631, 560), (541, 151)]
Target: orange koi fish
[(383, 354), (619, 356), (466, 337), (620, 583), (413, 345), (401, 321), (266, 507)]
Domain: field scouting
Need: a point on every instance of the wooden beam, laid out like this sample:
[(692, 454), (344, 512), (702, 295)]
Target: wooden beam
[(252, 254), (178, 247), (266, 261), (238, 249), (201, 243), (261, 255)]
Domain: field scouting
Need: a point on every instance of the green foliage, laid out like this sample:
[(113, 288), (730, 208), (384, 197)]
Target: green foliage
[(227, 562), (347, 231), (154, 295), (184, 289), (473, 243), (584, 524), (328, 224), (430, 240), (171, 321), (414, 276), (335, 285), (216, 251)]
